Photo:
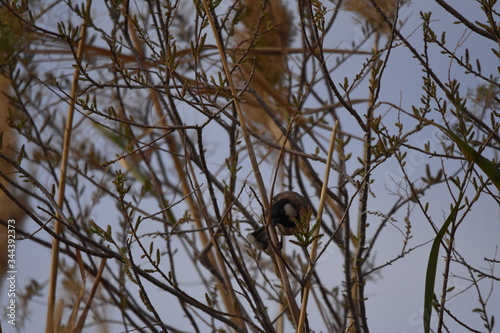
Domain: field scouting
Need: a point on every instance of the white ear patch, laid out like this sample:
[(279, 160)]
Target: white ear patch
[(290, 211), (256, 242)]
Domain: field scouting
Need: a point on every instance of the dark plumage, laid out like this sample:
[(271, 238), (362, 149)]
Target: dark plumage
[(285, 208)]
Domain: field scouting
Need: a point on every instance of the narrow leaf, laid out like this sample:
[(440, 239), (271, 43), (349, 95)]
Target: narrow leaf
[(430, 277)]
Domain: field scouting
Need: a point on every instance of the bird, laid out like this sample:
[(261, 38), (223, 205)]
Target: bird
[(286, 208)]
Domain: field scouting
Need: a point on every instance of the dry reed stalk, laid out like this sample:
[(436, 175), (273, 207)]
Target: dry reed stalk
[(314, 248), (54, 267), (255, 166), (83, 316)]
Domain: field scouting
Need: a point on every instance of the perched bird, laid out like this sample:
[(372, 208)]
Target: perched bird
[(285, 209)]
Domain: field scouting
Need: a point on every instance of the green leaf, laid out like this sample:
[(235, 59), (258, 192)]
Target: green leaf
[(430, 277), (22, 153), (209, 301), (488, 167)]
